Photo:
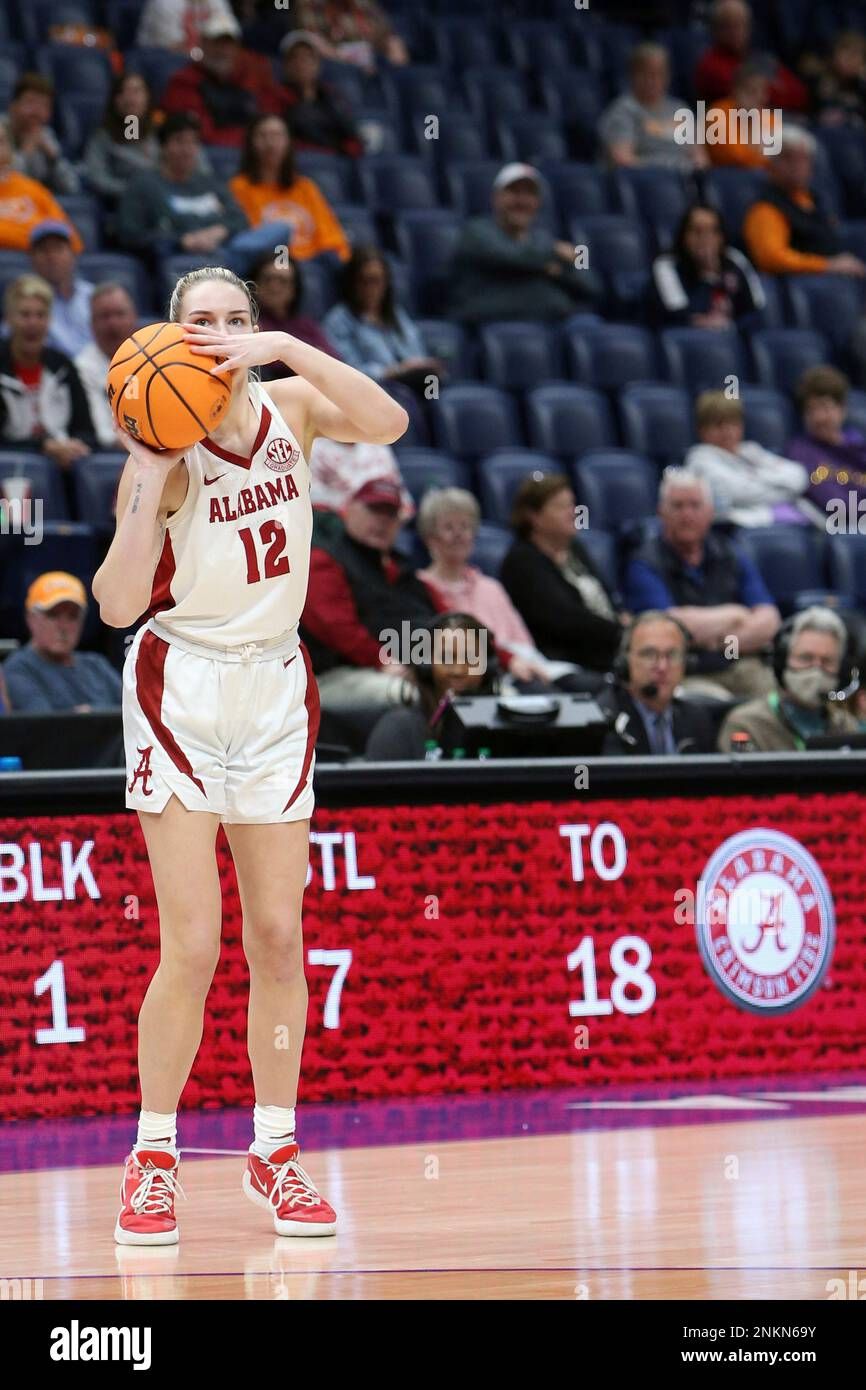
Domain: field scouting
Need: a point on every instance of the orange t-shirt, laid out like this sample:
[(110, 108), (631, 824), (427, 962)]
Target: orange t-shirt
[(735, 151), (23, 204), (302, 205)]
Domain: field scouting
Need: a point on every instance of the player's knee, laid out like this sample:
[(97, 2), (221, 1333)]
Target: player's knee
[(274, 945), (193, 959)]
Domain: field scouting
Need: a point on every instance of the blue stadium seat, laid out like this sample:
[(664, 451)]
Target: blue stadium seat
[(12, 264), (84, 210), (518, 356), (492, 543), (580, 190), (357, 222), (530, 136), (396, 183), (426, 241), (156, 65), (537, 44), (472, 419), (701, 360), (846, 563), (458, 137), (657, 420), (769, 417), (773, 313), (829, 304), (77, 115), (563, 419), (417, 87), (379, 131), (781, 355), (610, 355), (463, 42), (616, 244), (500, 474), (790, 559), (577, 99), (604, 553), (732, 192), (101, 266), (449, 342), (659, 196), (225, 162), (618, 486), (493, 92), (65, 545), (348, 81), (425, 468), (96, 478), (319, 292), (335, 174), (9, 71), (846, 152), (856, 412), (122, 19), (35, 17), (74, 69), (44, 477)]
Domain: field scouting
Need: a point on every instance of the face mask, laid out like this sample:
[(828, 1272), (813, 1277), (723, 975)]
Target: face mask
[(810, 687)]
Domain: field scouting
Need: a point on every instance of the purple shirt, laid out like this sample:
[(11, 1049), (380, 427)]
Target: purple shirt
[(834, 469)]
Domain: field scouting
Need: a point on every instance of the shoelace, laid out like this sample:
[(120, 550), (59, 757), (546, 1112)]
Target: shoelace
[(152, 1198), (293, 1185)]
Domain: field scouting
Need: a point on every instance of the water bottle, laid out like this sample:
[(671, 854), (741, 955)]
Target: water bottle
[(10, 764), (432, 751)]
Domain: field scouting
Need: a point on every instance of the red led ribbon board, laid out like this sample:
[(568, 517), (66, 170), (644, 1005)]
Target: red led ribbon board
[(461, 949)]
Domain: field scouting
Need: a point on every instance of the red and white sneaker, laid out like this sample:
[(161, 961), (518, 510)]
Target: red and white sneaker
[(150, 1180), (281, 1185)]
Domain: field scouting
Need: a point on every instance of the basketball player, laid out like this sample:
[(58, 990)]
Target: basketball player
[(220, 714)]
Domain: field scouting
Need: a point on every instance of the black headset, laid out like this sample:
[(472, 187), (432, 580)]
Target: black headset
[(620, 661), (848, 672)]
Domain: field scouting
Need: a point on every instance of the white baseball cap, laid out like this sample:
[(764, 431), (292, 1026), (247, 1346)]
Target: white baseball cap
[(512, 173), (221, 26)]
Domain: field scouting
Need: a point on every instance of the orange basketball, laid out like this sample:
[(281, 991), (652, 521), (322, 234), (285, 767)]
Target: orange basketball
[(161, 392)]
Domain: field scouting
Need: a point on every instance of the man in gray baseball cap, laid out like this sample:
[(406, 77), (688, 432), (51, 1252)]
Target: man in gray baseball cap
[(508, 267)]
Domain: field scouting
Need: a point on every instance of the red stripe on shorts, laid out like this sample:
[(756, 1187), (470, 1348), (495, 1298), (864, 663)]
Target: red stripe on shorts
[(311, 704), (150, 685)]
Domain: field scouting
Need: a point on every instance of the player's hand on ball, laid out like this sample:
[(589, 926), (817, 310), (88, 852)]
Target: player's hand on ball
[(236, 349), (160, 460)]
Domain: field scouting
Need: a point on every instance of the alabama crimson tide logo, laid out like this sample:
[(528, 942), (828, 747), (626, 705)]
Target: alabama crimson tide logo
[(143, 770), (281, 455), (765, 921)]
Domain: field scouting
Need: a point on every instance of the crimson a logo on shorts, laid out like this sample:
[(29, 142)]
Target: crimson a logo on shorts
[(765, 921), (281, 455)]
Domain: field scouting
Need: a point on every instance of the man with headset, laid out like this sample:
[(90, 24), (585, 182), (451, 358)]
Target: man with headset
[(811, 665), (645, 715)]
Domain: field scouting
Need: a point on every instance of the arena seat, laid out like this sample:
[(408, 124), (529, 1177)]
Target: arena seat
[(610, 355), (425, 468), (43, 476), (517, 356), (500, 474), (769, 417), (96, 478), (702, 361), (846, 565), (617, 485), (471, 419), (827, 304), (562, 418), (782, 355), (790, 560), (492, 543), (656, 420)]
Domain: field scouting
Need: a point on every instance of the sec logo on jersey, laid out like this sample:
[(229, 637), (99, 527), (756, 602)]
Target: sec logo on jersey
[(765, 921), (281, 455)]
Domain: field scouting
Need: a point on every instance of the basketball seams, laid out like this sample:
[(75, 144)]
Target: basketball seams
[(159, 370)]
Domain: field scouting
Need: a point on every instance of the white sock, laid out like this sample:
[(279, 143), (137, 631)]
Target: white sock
[(274, 1126), (157, 1131)]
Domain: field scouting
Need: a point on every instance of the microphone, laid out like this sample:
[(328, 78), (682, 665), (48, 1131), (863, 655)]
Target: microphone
[(853, 684)]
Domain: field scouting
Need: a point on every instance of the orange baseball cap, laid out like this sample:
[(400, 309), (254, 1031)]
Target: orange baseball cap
[(55, 587)]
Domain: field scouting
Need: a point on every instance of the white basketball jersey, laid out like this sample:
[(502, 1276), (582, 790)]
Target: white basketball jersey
[(235, 558)]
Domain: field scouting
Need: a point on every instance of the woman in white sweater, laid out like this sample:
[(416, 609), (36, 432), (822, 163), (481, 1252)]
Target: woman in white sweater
[(750, 485)]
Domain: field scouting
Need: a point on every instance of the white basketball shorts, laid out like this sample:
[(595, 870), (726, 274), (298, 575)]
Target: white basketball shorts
[(234, 735)]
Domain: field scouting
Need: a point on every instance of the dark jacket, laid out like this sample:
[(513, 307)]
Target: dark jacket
[(496, 277), (155, 212), (321, 124), (64, 411), (813, 230), (627, 736), (563, 627)]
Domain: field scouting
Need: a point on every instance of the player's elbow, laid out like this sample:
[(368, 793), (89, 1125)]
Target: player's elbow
[(394, 424)]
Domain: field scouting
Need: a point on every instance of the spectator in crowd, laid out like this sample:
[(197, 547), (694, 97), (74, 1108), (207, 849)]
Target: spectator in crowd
[(839, 83), (645, 714), (750, 485), (36, 149), (448, 521), (313, 108), (640, 127), (5, 702), (701, 578), (52, 257), (270, 189), (373, 333), (702, 282), (24, 203), (113, 319), (809, 654), (507, 267), (226, 88), (352, 31), (338, 471), (178, 24), (789, 230), (731, 23), (42, 402), (125, 144), (460, 665), (279, 292), (745, 142), (833, 453), (552, 581), (49, 674), (359, 587), (177, 208)]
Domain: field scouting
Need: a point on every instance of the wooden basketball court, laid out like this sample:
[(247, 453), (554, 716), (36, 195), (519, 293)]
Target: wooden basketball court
[(756, 1208)]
